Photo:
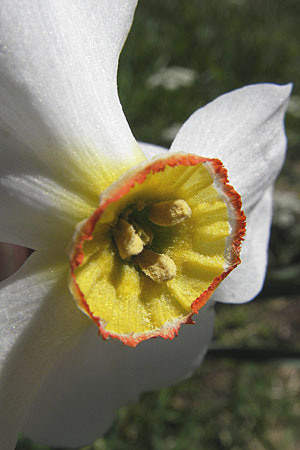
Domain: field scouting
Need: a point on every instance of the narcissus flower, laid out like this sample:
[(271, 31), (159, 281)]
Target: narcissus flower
[(145, 258)]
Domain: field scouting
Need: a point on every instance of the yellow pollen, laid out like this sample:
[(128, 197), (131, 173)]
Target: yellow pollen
[(170, 212), (144, 233), (128, 241), (162, 239), (157, 267)]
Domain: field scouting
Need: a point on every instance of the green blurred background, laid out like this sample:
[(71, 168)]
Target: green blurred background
[(245, 396)]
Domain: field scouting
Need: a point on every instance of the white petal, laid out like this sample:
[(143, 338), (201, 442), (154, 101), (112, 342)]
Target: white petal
[(78, 401), (58, 90), (246, 281), (151, 150), (245, 130), (38, 320), (36, 211)]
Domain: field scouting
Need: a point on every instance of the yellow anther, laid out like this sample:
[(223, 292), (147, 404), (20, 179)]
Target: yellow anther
[(144, 233), (158, 267), (170, 212), (128, 241)]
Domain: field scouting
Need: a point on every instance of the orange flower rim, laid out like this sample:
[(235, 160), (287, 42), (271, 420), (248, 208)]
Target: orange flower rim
[(161, 240)]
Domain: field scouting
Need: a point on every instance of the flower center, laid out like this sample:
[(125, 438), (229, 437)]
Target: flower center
[(162, 239), (134, 241)]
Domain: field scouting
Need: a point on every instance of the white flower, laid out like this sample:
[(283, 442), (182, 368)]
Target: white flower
[(64, 140)]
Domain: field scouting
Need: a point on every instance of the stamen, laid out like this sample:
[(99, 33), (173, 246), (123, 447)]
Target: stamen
[(169, 213), (144, 233), (158, 267), (128, 241)]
